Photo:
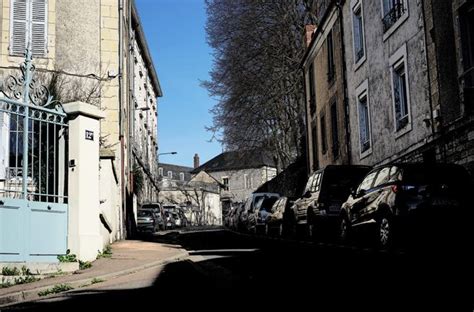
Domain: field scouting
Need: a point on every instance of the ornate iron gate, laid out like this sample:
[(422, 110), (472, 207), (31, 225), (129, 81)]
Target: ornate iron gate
[(33, 171)]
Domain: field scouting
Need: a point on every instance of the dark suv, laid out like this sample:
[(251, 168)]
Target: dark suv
[(410, 201), (326, 190)]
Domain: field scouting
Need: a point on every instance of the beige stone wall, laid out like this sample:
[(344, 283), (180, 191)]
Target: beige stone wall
[(327, 92)]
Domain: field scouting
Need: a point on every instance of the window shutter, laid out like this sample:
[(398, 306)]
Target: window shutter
[(38, 27), (19, 27)]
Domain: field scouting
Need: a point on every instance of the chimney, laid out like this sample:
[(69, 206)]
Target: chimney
[(196, 161), (308, 36)]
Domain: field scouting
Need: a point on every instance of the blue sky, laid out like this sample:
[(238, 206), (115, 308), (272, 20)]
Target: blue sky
[(177, 40)]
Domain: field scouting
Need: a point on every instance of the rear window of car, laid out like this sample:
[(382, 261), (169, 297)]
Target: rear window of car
[(452, 176), (144, 213)]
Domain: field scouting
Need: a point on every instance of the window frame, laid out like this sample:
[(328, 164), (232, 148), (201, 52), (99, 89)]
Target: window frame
[(330, 56), (312, 89), (389, 31), (363, 92), (28, 29), (398, 59), (336, 144), (226, 185), (322, 126), (356, 5)]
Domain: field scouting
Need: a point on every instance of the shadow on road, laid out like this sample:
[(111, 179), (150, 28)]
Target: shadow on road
[(231, 271)]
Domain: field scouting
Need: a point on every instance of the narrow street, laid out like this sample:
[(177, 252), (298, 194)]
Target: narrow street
[(226, 270)]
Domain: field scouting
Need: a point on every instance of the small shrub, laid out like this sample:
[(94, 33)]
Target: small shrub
[(84, 265), (68, 257), (96, 280), (106, 253), (55, 290), (25, 279), (25, 271), (6, 271), (5, 283)]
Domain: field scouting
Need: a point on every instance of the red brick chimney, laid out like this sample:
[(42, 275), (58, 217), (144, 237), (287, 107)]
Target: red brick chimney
[(308, 36), (196, 161)]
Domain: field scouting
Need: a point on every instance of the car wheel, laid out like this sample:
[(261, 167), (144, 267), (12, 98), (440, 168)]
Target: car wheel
[(280, 230), (344, 229), (310, 230), (385, 232), (266, 229)]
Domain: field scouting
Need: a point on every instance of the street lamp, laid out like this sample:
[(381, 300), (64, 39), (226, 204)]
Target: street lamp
[(169, 153)]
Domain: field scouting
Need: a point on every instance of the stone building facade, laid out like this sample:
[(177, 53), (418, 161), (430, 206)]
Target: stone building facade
[(387, 79), (325, 83), (99, 51)]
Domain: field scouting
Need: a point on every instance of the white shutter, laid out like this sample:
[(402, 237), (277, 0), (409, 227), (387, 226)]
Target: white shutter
[(19, 27), (38, 27)]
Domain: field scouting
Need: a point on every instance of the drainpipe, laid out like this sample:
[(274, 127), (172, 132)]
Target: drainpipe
[(120, 98), (427, 66), (344, 79)]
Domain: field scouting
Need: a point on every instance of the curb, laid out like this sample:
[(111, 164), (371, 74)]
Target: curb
[(32, 294)]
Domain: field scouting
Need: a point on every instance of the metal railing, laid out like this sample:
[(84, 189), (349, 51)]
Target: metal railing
[(393, 15)]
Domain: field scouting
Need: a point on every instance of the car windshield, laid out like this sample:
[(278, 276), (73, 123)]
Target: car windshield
[(150, 206), (337, 183), (144, 213)]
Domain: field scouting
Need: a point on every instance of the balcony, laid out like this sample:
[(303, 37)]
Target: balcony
[(393, 16)]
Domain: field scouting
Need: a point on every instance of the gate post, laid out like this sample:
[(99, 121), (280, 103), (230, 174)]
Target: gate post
[(84, 237)]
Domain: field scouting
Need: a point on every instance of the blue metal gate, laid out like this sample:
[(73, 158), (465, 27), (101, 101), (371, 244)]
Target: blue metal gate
[(33, 171)]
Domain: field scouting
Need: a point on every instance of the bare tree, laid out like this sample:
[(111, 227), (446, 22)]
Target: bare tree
[(256, 77)]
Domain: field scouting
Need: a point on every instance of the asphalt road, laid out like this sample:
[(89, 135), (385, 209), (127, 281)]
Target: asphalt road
[(235, 272)]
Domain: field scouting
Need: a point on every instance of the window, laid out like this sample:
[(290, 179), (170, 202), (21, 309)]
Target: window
[(334, 131), (330, 45), (181, 176), (312, 90), (28, 27), (324, 144), (170, 174), (160, 172), (314, 137), (367, 182), (400, 91), (466, 18), (400, 96), (225, 181), (382, 177), (247, 181), (315, 185), (364, 123), (393, 10), (358, 32)]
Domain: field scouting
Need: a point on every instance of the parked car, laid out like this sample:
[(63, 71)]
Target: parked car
[(262, 212), (275, 223), (410, 201), (148, 220), (319, 207), (247, 220), (157, 211)]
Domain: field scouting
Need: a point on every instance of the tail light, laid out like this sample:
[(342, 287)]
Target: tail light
[(395, 188)]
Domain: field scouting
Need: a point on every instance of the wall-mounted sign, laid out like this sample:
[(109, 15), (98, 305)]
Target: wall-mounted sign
[(89, 135)]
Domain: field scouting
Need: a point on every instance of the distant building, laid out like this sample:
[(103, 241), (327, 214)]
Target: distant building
[(199, 195), (239, 174)]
